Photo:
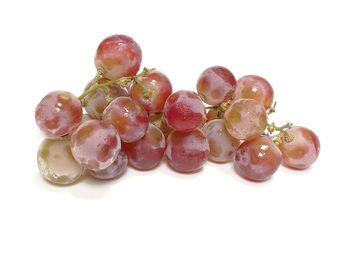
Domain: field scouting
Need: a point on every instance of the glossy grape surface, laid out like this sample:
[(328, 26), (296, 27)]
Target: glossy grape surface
[(222, 145), (146, 153), (56, 162), (255, 87), (187, 151), (128, 117), (257, 159), (115, 170), (58, 113), (95, 144), (152, 90), (302, 151), (216, 85), (245, 119), (184, 111), (119, 56), (96, 100)]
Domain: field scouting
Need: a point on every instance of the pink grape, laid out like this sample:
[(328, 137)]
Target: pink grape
[(245, 119), (119, 56), (152, 90), (222, 145), (158, 120), (257, 159), (302, 151), (187, 151), (146, 153), (255, 87), (115, 170), (128, 117), (184, 111), (95, 144), (58, 113), (96, 100), (216, 85)]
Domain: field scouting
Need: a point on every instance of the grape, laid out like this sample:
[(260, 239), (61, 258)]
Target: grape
[(187, 151), (146, 153), (96, 100), (115, 170), (216, 85), (56, 162), (184, 111), (152, 90), (128, 117), (245, 119), (58, 113), (257, 159), (302, 150), (158, 120), (255, 87), (119, 56), (95, 144), (222, 145)]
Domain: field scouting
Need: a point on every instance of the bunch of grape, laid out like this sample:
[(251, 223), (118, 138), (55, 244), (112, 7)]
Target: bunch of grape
[(135, 119)]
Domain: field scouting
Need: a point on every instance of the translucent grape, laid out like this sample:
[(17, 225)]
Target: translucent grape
[(146, 153), (152, 90), (128, 117), (96, 100), (222, 145), (187, 151), (56, 162), (302, 151), (245, 119), (255, 87), (58, 113), (184, 111), (257, 159), (95, 144), (115, 170), (216, 85), (119, 56)]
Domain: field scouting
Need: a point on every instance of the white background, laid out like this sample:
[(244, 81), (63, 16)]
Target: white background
[(301, 47)]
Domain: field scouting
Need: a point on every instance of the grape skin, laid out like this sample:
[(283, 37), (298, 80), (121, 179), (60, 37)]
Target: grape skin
[(95, 144), (128, 117), (245, 119), (58, 114), (119, 56), (257, 159), (184, 111), (187, 151), (146, 153)]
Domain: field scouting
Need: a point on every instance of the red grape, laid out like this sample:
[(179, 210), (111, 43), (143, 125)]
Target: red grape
[(96, 100), (255, 87), (184, 111), (119, 56), (187, 151), (95, 144), (216, 85), (302, 150), (58, 113), (222, 145), (257, 159), (152, 90), (128, 117), (245, 119), (158, 120), (115, 170), (146, 153)]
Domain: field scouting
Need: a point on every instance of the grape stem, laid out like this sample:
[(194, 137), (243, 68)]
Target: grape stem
[(123, 82), (272, 109), (283, 132)]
